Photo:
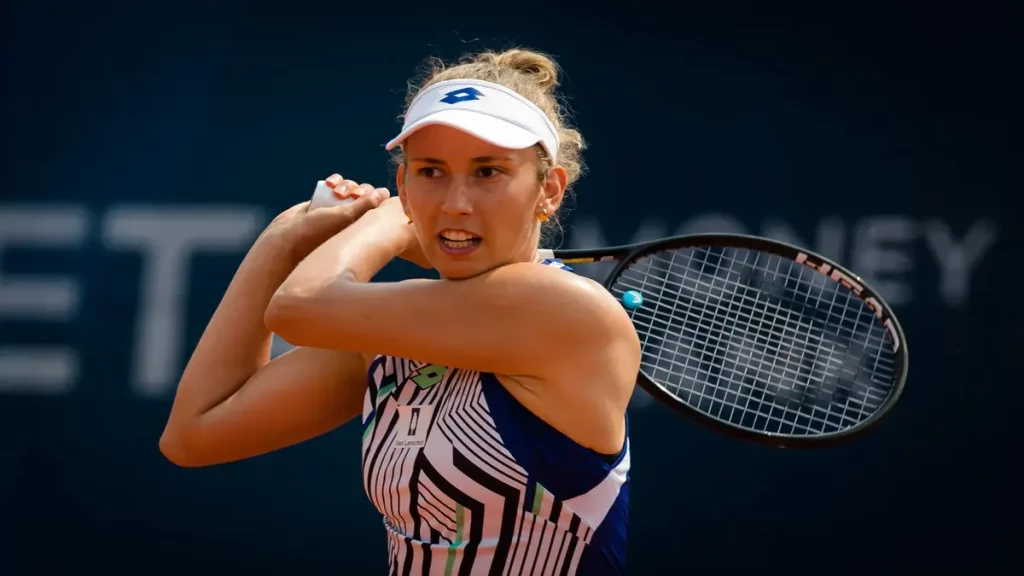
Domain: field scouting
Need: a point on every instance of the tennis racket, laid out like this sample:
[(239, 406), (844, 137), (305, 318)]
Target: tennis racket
[(324, 196), (757, 338)]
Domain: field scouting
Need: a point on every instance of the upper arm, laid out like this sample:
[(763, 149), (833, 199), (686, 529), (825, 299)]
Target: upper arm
[(517, 320), (298, 395)]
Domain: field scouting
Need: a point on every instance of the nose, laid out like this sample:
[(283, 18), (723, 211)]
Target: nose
[(456, 199)]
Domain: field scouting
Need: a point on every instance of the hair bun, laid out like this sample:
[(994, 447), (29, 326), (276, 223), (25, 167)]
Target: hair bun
[(543, 69), (532, 75)]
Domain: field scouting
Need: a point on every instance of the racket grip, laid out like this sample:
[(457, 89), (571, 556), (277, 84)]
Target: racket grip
[(324, 196)]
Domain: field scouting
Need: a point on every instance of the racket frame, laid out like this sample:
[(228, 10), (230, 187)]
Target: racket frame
[(627, 254)]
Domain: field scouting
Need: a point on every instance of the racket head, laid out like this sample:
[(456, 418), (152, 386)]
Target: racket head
[(762, 340)]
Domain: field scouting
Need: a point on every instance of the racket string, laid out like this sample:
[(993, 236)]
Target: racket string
[(762, 346), (775, 362), (719, 324), (775, 367), (706, 382)]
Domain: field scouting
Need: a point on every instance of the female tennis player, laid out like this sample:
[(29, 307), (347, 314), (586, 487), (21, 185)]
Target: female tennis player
[(493, 400)]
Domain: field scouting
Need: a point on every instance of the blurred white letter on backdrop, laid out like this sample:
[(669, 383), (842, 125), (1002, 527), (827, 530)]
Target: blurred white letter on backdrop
[(40, 369), (957, 260), (167, 238), (882, 255)]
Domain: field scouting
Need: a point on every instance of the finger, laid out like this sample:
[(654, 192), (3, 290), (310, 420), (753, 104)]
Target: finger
[(384, 192), (359, 205), (345, 189), (355, 192), (333, 180), (331, 220), (341, 192)]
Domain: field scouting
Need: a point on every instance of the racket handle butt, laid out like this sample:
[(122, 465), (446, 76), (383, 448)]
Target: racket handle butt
[(323, 196)]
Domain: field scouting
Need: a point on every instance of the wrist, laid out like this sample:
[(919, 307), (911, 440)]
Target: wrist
[(391, 229), (374, 247), (277, 247)]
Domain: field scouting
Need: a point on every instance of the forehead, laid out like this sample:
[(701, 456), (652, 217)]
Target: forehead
[(447, 143)]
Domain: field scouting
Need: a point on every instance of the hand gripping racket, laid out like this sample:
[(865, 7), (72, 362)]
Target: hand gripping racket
[(324, 196), (757, 338)]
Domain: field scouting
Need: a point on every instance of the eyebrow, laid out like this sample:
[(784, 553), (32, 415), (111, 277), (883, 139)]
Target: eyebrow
[(477, 160)]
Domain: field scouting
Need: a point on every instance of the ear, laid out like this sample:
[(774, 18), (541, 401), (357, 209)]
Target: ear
[(400, 185), (554, 189)]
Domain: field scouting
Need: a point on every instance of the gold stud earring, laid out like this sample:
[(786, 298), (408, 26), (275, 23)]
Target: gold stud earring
[(543, 216), (409, 216)]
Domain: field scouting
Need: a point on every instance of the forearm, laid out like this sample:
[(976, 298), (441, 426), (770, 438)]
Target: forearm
[(359, 252), (356, 255), (236, 342)]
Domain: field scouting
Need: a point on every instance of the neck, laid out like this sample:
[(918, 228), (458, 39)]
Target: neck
[(531, 243)]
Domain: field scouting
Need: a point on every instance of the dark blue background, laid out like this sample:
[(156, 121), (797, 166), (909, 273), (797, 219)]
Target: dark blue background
[(798, 116)]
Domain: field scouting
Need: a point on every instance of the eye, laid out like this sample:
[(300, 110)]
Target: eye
[(488, 172), (429, 172)]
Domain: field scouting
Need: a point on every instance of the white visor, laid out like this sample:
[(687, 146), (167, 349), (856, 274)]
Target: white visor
[(485, 110)]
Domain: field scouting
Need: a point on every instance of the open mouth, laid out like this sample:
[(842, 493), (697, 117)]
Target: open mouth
[(457, 240)]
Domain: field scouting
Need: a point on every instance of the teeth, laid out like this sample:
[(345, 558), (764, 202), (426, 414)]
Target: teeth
[(456, 236)]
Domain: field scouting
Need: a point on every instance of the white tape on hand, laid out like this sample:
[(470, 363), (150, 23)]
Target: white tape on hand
[(324, 196)]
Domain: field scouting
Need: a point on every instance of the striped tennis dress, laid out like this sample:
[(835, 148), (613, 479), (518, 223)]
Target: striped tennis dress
[(469, 481)]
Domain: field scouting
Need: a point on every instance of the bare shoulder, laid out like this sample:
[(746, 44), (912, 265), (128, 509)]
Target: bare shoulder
[(583, 295), (605, 325), (550, 281), (601, 355), (487, 319)]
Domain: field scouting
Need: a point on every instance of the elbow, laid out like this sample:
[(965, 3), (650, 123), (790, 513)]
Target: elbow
[(282, 317), (175, 447), (302, 319), (170, 447)]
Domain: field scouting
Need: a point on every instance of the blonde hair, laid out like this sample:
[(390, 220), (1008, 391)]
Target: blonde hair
[(531, 74)]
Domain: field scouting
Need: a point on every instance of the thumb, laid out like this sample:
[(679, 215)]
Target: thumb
[(292, 211)]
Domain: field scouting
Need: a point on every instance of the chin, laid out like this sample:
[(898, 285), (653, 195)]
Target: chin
[(459, 269)]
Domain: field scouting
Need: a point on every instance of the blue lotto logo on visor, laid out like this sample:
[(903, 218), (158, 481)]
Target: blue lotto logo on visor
[(486, 110)]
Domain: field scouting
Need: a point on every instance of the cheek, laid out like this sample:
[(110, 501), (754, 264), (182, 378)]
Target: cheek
[(418, 198), (512, 214)]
